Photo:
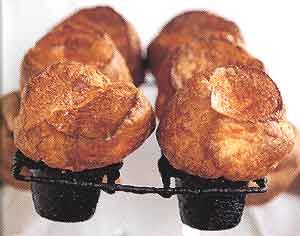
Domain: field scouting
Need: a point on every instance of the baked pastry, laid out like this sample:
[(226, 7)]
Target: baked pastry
[(192, 59), (10, 105), (74, 117), (95, 49), (187, 27), (285, 178), (224, 127), (106, 19), (9, 109), (245, 94)]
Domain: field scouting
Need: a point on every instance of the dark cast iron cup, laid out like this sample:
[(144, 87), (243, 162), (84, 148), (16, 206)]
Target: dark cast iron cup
[(210, 211), (65, 203)]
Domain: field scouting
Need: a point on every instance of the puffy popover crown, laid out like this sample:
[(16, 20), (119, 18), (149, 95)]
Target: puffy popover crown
[(196, 58), (224, 127), (87, 48), (187, 27), (193, 22), (245, 94), (74, 117), (106, 19)]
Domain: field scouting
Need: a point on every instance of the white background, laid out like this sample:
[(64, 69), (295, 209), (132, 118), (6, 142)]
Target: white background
[(272, 33)]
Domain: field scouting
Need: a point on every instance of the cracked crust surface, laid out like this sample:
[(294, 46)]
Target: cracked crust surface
[(198, 58), (239, 92), (189, 26), (74, 117), (202, 141), (106, 19), (73, 45), (183, 130), (9, 109)]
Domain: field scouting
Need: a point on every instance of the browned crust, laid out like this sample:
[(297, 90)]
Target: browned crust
[(184, 129), (74, 117), (245, 94), (285, 178), (161, 102), (249, 151), (199, 140), (193, 22), (106, 19), (198, 58), (187, 27), (9, 109), (88, 48), (10, 104)]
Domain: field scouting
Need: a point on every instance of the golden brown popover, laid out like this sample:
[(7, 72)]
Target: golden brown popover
[(106, 19), (187, 27), (74, 117), (239, 92), (285, 178), (10, 105), (195, 58), (87, 48), (9, 109), (205, 140)]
